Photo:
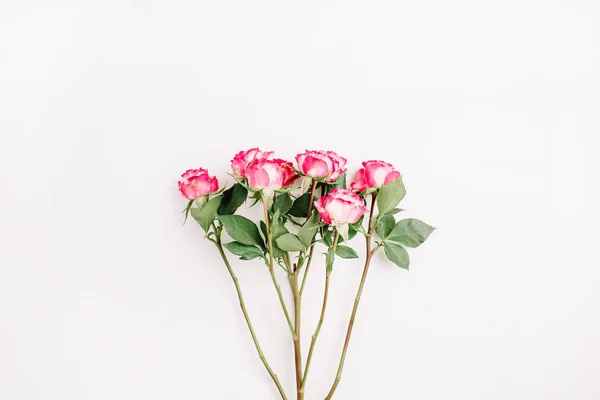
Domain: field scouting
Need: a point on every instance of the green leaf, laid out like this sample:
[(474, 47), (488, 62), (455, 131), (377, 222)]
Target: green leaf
[(242, 230), (206, 215), (283, 203), (246, 252), (275, 220), (290, 242), (340, 182), (410, 232), (186, 211), (396, 254), (354, 228), (256, 197), (263, 229), (307, 232), (300, 206), (291, 220), (345, 252), (385, 226), (233, 198), (390, 195), (395, 211), (328, 238), (329, 259), (351, 232), (278, 230)]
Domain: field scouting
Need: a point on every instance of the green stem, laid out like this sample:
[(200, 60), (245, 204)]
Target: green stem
[(311, 198), (310, 256), (321, 318), (272, 271), (297, 349), (312, 247), (356, 302), (297, 291), (246, 316)]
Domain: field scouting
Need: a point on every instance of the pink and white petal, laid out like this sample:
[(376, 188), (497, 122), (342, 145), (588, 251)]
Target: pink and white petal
[(300, 160), (203, 183), (339, 167), (355, 214), (187, 191), (345, 194), (375, 173), (320, 206), (258, 178), (315, 167), (266, 155), (275, 173), (340, 160), (338, 210), (391, 177), (331, 163), (359, 183), (214, 184), (190, 173)]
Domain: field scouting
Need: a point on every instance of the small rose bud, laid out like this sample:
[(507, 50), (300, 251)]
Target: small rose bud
[(341, 207), (269, 175), (373, 175), (244, 159), (196, 183), (326, 165)]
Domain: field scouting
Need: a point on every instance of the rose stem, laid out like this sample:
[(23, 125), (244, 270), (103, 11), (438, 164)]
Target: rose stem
[(356, 301), (293, 279), (297, 349), (321, 318), (312, 248), (246, 316), (272, 271), (297, 291)]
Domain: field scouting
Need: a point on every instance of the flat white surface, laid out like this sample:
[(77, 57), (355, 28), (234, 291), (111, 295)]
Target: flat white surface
[(489, 109)]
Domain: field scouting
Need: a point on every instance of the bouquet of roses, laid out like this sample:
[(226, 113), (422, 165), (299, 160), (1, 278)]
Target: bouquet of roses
[(302, 205)]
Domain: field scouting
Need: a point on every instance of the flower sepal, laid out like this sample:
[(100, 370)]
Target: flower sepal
[(343, 231)]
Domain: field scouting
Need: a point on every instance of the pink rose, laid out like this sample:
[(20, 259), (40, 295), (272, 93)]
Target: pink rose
[(244, 159), (373, 175), (340, 207), (321, 164), (268, 174), (196, 183)]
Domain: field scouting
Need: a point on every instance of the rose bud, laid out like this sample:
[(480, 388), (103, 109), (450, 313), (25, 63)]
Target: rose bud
[(340, 208), (268, 175), (196, 183), (244, 159), (373, 175), (321, 165)]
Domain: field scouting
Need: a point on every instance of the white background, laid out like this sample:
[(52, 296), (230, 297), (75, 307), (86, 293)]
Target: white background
[(489, 109)]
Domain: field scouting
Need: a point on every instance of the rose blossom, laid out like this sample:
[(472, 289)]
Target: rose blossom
[(373, 175), (269, 175), (196, 183), (244, 159), (321, 164), (341, 207)]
